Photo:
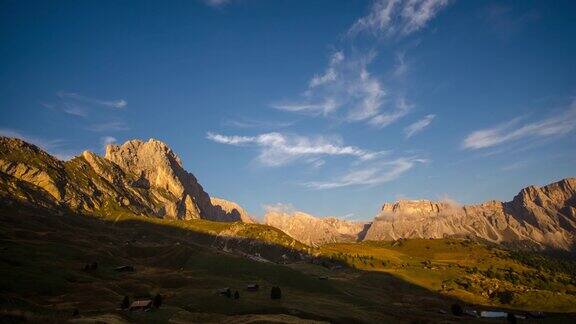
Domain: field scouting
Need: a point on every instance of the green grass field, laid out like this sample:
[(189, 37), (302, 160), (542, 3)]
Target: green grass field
[(42, 257), (471, 271)]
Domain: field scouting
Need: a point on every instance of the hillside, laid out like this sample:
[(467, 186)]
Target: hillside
[(313, 230), (144, 178), (472, 271), (58, 219), (537, 218), (541, 217)]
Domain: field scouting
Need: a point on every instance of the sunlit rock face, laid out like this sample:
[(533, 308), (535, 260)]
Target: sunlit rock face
[(231, 210), (141, 177), (313, 230), (544, 216)]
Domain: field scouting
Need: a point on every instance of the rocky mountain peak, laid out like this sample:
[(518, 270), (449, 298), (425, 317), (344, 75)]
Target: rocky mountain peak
[(145, 177), (314, 230), (420, 207)]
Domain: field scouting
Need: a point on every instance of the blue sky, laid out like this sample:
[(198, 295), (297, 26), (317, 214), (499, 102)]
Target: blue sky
[(329, 107)]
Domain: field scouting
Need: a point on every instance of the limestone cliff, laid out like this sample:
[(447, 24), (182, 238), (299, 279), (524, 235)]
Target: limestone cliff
[(232, 209), (543, 216), (315, 231), (141, 177)]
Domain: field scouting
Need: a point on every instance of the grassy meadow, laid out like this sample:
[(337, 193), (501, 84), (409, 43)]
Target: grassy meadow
[(43, 256)]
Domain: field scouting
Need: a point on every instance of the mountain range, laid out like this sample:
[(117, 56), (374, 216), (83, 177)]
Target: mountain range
[(145, 178), (542, 217), (148, 179)]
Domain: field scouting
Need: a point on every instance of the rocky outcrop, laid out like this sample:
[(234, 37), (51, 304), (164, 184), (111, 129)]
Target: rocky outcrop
[(141, 177), (543, 216), (231, 210), (315, 231)]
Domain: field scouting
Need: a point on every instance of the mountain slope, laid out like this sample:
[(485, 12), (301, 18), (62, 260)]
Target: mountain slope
[(537, 217), (542, 216), (141, 177), (315, 231)]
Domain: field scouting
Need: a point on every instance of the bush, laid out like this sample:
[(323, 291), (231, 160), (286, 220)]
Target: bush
[(157, 301), (275, 293), (125, 303), (457, 310), (505, 296)]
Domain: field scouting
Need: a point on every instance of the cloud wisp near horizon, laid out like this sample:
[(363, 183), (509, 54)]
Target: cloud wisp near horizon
[(278, 149), (512, 131)]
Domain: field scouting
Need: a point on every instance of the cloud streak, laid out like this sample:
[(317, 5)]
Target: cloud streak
[(120, 103), (346, 89), (278, 149), (217, 3), (370, 175), (349, 91), (513, 131), (418, 126), (392, 18)]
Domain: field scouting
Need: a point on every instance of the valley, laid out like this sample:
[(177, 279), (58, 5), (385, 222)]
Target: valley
[(80, 236)]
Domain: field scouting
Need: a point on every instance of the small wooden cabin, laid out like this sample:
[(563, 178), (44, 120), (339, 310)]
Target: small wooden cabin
[(141, 305), (252, 287), (126, 268)]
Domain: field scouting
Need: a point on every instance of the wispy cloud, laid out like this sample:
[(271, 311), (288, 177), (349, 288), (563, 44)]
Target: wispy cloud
[(401, 109), (279, 208), (561, 124), (418, 126), (108, 126), (390, 18), (278, 149), (506, 22), (401, 67), (55, 147), (107, 140), (369, 175), (347, 90), (514, 166), (217, 3), (79, 105), (120, 103), (244, 122), (347, 85)]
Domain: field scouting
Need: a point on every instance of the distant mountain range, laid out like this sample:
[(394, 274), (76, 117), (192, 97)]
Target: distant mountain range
[(147, 178), (538, 217)]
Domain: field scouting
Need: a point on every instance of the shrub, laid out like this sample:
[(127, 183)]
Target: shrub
[(457, 310), (505, 296), (275, 293), (157, 301), (125, 303)]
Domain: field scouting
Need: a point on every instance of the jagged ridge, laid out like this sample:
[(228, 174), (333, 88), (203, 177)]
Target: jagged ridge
[(140, 177), (543, 217)]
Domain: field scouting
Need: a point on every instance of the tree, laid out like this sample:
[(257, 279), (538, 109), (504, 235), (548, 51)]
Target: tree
[(457, 309), (157, 301), (125, 303), (505, 296), (275, 293)]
